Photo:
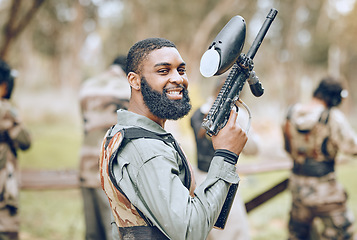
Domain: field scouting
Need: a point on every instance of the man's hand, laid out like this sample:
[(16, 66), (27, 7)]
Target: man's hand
[(231, 137)]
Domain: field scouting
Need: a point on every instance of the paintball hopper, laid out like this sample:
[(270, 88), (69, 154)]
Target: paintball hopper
[(225, 48)]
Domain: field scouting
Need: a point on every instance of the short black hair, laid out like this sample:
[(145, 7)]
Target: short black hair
[(6, 77), (329, 90), (141, 49), (121, 61)]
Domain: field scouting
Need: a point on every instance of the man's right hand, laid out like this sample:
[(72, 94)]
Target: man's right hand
[(232, 137)]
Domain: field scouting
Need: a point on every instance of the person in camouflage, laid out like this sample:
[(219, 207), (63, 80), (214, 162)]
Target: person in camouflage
[(100, 97), (314, 133), (205, 153), (13, 136)]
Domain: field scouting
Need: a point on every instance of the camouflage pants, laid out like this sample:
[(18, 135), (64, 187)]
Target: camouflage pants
[(337, 221), (323, 198)]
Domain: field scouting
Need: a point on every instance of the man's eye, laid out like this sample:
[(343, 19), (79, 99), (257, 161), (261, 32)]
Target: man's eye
[(163, 71), (182, 70)]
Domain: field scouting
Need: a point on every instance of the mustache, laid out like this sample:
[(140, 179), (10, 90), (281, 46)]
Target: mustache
[(180, 86)]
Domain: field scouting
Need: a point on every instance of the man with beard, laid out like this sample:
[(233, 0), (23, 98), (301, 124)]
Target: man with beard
[(144, 172)]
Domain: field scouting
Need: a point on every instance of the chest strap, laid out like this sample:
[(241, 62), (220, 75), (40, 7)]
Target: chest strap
[(136, 133), (141, 233)]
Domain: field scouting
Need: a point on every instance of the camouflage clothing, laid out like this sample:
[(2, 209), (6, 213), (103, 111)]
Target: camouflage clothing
[(313, 136), (13, 136), (100, 97)]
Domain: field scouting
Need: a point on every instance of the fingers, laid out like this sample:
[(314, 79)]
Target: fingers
[(231, 137), (232, 118)]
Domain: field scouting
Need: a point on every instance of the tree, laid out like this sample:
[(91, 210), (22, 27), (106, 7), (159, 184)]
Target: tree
[(17, 22)]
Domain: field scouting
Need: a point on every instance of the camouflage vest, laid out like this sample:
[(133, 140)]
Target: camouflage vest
[(124, 212), (312, 150)]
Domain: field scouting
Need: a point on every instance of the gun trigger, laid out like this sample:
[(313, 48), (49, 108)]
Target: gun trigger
[(237, 108)]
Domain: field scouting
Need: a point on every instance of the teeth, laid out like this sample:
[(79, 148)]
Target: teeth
[(174, 92)]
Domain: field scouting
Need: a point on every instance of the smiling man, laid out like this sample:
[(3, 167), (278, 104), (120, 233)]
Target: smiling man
[(144, 172)]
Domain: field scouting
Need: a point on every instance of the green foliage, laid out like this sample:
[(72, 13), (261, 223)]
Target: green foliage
[(54, 215), (54, 146)]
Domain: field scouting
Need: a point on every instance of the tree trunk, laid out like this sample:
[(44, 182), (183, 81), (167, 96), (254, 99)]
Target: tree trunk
[(12, 31)]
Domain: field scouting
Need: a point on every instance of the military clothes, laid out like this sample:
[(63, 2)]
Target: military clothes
[(313, 136), (100, 97), (13, 136), (152, 175)]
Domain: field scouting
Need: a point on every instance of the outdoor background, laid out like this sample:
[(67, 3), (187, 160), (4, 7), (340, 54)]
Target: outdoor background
[(55, 45)]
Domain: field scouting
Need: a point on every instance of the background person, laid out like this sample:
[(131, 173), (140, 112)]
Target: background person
[(314, 133), (13, 136), (237, 225), (100, 97)]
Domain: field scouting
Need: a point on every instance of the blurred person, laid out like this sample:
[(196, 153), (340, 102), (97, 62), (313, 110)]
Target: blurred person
[(100, 97), (314, 133), (237, 225), (144, 172), (13, 136)]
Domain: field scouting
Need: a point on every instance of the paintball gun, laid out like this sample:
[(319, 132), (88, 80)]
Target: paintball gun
[(222, 54)]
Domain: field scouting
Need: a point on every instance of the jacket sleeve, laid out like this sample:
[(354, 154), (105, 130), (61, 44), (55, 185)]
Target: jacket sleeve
[(342, 133), (13, 127)]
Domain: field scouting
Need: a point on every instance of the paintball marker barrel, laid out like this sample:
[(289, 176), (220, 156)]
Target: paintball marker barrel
[(261, 34), (255, 86)]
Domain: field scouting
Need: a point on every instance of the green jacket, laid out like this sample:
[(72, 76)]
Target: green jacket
[(151, 174)]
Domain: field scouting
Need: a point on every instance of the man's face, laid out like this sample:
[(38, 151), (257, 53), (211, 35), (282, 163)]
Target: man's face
[(164, 84)]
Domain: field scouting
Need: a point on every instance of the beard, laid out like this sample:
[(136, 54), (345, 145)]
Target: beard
[(163, 107)]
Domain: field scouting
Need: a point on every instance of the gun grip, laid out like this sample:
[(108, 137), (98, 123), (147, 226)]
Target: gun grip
[(223, 216)]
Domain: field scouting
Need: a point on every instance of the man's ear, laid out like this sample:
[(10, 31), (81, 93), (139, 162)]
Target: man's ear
[(134, 80)]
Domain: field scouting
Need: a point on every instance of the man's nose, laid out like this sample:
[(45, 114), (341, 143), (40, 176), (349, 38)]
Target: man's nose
[(177, 78)]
